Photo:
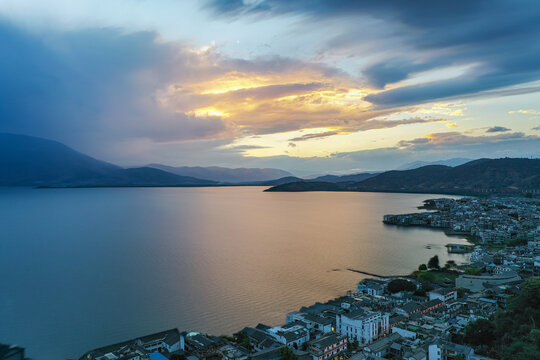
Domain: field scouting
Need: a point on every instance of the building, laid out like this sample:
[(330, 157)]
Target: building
[(382, 346), (364, 326), (293, 335), (371, 287), (8, 352), (314, 322), (328, 347), (476, 282), (445, 350), (140, 348), (409, 308), (443, 294)]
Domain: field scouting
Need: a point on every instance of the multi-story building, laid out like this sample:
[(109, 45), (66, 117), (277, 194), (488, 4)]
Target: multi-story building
[(328, 347), (364, 326)]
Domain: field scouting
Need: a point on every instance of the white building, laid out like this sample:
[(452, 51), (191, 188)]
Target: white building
[(443, 294), (293, 335), (364, 326)]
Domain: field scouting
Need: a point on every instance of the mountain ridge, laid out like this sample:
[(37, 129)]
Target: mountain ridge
[(482, 176)]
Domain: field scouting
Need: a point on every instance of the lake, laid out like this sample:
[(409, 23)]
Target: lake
[(84, 268)]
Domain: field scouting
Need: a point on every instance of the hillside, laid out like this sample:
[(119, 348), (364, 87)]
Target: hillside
[(225, 175), (306, 186), (31, 161), (344, 178), (475, 177)]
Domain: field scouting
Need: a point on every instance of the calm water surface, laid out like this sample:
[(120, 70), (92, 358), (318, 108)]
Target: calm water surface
[(82, 268)]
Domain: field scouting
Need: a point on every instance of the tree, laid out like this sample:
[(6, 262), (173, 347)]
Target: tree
[(450, 264), (422, 267), (426, 276), (480, 332), (178, 357), (398, 285), (433, 263), (513, 333), (287, 354), (473, 271)]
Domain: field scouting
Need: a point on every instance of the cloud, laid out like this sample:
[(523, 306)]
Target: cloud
[(442, 140), (529, 111), (495, 129), (498, 50), (315, 136), (536, 128), (58, 86)]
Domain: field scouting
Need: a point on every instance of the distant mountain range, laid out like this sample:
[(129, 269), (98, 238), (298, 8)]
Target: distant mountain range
[(450, 162), (31, 161), (475, 177), (225, 175)]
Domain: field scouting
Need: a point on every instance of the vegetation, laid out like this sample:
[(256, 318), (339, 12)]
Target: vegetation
[(287, 354), (243, 340), (513, 333), (473, 271), (354, 345), (433, 263), (398, 285), (450, 264), (518, 242), (178, 357), (422, 267)]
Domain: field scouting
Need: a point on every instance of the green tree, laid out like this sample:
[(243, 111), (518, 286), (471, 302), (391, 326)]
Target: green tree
[(433, 263), (473, 271), (422, 267), (513, 333), (398, 285), (287, 354), (426, 276), (450, 264), (178, 357), (480, 332)]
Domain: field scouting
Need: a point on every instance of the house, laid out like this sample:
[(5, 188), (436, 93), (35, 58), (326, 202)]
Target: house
[(445, 350), (165, 341), (371, 287), (409, 308), (364, 326), (140, 348), (327, 347), (259, 339), (382, 346), (443, 294), (314, 322), (431, 305), (293, 335), (8, 352)]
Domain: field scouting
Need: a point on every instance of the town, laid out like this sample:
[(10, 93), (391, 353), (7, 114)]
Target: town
[(440, 311)]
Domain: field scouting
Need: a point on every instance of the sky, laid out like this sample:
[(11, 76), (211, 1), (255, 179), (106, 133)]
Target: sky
[(309, 86)]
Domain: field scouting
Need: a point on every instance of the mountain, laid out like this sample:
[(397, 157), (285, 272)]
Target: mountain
[(299, 186), (225, 175), (475, 177), (344, 178), (450, 162), (31, 161)]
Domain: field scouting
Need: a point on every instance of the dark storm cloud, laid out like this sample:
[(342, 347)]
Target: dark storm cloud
[(502, 38), (495, 129), (92, 86)]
